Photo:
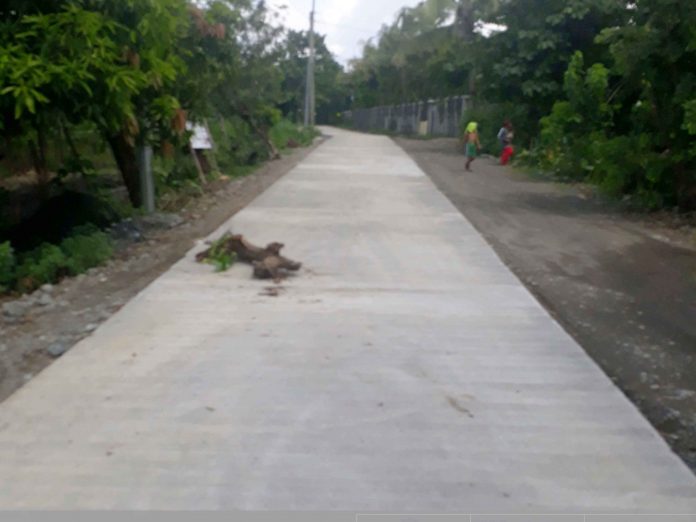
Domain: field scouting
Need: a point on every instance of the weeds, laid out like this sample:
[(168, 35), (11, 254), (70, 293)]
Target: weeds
[(220, 257)]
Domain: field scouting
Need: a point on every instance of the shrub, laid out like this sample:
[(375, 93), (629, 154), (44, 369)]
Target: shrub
[(45, 264), (7, 266), (285, 134), (86, 250), (48, 263), (237, 145)]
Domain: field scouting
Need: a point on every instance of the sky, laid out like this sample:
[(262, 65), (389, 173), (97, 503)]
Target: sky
[(346, 23)]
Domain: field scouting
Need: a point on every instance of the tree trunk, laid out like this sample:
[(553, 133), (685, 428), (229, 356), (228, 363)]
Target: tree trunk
[(37, 150), (127, 161), (261, 133), (267, 262), (464, 20), (69, 140), (197, 163), (275, 154)]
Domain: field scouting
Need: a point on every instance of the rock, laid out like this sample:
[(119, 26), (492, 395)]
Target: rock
[(159, 220), (91, 327), (30, 300), (47, 289), (57, 349), (45, 300), (16, 309), (126, 230)]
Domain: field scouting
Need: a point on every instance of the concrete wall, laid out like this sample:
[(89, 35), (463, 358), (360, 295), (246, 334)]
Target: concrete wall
[(432, 117)]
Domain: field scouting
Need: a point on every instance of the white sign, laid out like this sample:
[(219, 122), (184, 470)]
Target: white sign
[(200, 140)]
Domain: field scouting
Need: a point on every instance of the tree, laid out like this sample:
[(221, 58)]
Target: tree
[(526, 63), (52, 67), (331, 91)]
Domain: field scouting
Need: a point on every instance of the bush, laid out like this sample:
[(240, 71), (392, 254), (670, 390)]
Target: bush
[(237, 145), (286, 134), (7, 266), (45, 264), (48, 263), (86, 251)]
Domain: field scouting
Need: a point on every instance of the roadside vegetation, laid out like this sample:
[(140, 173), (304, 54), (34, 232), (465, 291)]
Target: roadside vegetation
[(84, 83), (602, 91)]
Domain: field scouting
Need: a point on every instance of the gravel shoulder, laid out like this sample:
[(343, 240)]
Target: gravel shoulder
[(623, 285), (39, 328)]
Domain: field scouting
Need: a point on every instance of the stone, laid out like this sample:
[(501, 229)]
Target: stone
[(159, 220), (91, 327), (16, 309), (57, 349), (47, 288), (126, 230), (45, 300)]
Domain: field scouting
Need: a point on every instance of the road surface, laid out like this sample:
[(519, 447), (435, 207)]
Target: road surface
[(624, 288), (405, 369)]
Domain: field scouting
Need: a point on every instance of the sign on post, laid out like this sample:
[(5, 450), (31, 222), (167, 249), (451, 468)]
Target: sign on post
[(200, 140)]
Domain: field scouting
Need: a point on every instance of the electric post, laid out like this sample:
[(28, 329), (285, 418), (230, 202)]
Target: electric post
[(310, 97)]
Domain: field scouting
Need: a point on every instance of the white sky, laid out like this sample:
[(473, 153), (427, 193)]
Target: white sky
[(346, 23)]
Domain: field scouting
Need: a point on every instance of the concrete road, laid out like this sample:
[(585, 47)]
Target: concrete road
[(405, 369), (623, 286)]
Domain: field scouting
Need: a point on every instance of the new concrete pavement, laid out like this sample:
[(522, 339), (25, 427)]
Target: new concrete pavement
[(404, 369)]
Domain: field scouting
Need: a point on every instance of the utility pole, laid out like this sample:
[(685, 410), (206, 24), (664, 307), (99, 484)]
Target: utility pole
[(310, 96)]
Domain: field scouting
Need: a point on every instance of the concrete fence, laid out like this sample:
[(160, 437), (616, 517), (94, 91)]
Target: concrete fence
[(427, 118)]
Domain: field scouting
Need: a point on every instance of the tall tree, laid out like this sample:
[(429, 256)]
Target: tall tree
[(331, 91)]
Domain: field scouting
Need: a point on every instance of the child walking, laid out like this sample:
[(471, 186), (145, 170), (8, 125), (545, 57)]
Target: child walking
[(505, 137), (473, 144)]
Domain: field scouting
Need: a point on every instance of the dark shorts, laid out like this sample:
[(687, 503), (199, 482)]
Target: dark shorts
[(471, 150)]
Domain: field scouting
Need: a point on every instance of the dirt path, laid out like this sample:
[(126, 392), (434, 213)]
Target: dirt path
[(623, 287), (77, 306)]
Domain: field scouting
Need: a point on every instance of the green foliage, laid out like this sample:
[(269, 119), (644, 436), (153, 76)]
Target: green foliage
[(220, 257), (86, 250), (286, 134), (7, 265), (237, 144), (332, 94), (420, 55), (45, 264), (576, 124), (177, 172), (599, 90)]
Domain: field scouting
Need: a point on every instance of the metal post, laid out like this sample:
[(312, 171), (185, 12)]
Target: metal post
[(147, 182), (310, 97)]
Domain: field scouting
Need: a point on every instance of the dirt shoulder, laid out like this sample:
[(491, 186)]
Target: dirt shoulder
[(64, 314), (623, 286)]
